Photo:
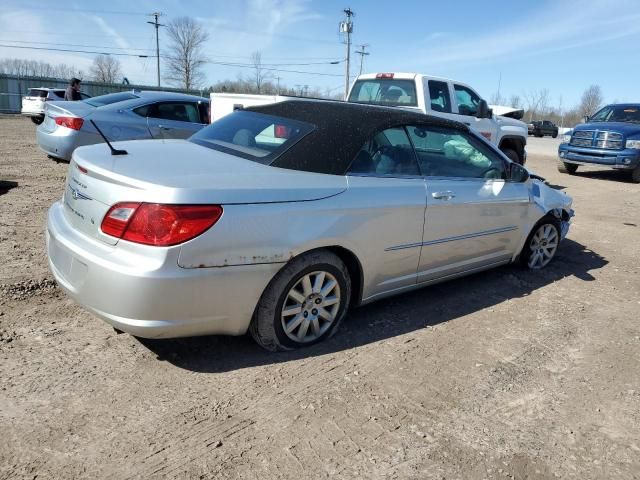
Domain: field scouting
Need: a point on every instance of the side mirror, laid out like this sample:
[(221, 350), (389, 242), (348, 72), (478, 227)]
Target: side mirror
[(483, 110), (517, 173)]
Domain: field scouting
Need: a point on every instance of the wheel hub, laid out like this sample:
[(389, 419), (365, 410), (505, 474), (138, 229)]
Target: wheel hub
[(311, 306)]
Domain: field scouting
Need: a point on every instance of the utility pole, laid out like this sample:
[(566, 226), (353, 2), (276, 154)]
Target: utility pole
[(346, 27), (278, 87), (362, 53), (155, 23)]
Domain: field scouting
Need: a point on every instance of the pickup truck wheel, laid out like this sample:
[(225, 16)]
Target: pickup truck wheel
[(303, 304), (635, 174), (512, 155), (555, 135), (569, 168)]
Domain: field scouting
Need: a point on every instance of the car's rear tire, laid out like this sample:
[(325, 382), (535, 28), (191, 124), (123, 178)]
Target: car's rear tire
[(635, 174), (542, 244), (37, 120), (564, 167), (512, 155), (304, 303)]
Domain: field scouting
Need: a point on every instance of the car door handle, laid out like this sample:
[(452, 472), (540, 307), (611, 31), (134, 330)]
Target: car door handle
[(164, 127), (448, 195)]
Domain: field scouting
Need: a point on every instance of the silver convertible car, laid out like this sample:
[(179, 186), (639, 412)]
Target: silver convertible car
[(133, 115), (277, 219)]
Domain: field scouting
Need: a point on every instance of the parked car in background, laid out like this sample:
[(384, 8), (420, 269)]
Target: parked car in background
[(443, 98), (132, 115), (540, 128), (34, 101), (277, 219), (610, 138)]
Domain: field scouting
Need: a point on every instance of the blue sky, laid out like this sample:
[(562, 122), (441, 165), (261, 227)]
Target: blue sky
[(563, 46)]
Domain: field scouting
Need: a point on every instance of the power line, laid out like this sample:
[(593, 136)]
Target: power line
[(330, 60), (75, 51), (73, 45), (248, 65)]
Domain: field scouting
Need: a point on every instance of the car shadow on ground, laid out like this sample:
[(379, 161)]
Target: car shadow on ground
[(387, 318), (6, 185), (623, 176)]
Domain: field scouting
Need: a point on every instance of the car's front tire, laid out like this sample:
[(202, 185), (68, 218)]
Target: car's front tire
[(542, 244), (635, 174), (304, 303), (37, 120), (564, 167)]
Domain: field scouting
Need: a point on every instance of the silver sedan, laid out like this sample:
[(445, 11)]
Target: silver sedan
[(132, 115), (278, 219)]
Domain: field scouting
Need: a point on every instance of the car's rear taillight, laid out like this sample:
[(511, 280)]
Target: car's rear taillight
[(158, 224), (74, 123)]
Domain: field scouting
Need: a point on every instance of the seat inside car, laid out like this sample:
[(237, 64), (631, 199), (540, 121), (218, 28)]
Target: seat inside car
[(244, 137)]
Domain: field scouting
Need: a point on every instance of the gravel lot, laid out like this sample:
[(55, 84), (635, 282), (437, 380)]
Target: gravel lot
[(505, 374)]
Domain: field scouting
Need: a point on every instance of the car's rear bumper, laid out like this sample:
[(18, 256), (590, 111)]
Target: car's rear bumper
[(32, 113), (627, 159), (149, 295), (56, 143)]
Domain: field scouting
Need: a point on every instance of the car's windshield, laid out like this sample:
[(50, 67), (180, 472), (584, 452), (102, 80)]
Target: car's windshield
[(251, 135), (384, 91), (110, 98), (618, 113)]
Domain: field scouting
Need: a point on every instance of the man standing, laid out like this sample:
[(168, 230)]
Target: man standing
[(73, 90)]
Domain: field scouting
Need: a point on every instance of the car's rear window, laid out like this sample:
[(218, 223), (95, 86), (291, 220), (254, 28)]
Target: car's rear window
[(36, 92), (384, 91), (110, 98), (251, 135)]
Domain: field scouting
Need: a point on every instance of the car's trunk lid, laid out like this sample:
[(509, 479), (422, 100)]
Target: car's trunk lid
[(52, 110), (178, 172)]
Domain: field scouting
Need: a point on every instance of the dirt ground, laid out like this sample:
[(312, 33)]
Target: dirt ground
[(504, 374)]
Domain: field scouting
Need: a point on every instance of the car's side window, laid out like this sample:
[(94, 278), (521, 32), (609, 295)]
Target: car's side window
[(467, 100), (446, 152), (439, 95), (176, 111), (388, 153), (142, 111)]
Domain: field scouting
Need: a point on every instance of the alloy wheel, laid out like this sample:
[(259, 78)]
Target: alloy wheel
[(311, 306), (543, 245)]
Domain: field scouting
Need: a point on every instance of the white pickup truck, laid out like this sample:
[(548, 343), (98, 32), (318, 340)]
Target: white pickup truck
[(443, 98)]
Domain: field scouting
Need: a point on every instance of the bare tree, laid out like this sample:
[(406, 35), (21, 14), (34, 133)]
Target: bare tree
[(591, 101), (514, 101), (537, 102), (33, 68), (106, 69), (260, 74), (496, 99), (186, 58)]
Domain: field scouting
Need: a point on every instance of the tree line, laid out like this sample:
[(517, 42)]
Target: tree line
[(537, 105)]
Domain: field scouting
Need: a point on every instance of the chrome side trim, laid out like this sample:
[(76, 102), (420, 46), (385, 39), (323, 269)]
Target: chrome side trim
[(452, 239)]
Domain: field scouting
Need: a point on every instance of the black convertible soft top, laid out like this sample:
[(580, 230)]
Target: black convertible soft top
[(341, 129)]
